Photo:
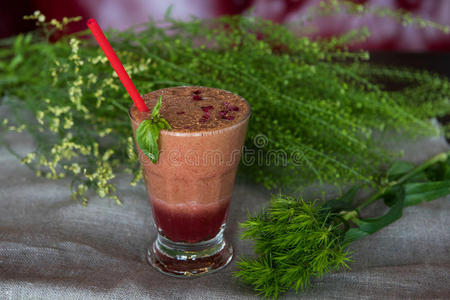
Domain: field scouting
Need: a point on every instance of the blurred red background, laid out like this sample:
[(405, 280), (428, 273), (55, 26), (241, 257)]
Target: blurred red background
[(385, 34)]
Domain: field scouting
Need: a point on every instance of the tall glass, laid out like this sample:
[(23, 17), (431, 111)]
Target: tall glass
[(190, 191)]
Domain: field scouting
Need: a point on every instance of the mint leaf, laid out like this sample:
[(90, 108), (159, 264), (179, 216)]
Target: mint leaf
[(147, 134), (155, 111), (164, 124)]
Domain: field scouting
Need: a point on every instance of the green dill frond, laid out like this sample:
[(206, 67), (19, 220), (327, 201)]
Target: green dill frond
[(295, 241)]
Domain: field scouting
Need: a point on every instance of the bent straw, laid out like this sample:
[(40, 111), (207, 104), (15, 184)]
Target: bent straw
[(116, 64)]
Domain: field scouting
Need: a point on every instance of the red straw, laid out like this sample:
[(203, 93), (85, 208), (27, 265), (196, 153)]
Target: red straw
[(116, 64)]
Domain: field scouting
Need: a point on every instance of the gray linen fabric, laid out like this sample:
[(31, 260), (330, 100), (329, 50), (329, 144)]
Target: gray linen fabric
[(53, 248)]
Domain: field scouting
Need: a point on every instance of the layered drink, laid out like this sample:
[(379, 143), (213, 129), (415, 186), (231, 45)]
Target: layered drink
[(191, 184)]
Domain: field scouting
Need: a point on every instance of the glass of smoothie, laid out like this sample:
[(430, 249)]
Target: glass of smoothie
[(191, 184)]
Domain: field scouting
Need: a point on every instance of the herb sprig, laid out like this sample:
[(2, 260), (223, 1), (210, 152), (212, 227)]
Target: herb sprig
[(296, 240), (147, 134)]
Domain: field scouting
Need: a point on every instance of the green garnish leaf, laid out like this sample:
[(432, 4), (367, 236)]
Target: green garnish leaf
[(155, 111), (147, 134), (165, 124)]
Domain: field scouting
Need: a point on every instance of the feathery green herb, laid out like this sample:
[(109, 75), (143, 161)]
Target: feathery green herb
[(296, 240)]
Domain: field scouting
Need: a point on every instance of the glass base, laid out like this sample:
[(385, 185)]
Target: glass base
[(190, 259)]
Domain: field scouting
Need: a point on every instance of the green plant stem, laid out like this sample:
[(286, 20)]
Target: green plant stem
[(435, 159), (380, 193)]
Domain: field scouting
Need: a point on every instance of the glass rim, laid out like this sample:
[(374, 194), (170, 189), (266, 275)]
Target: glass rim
[(199, 132)]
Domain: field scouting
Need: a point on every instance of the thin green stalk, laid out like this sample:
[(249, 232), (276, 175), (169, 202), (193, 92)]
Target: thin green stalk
[(434, 160), (380, 193)]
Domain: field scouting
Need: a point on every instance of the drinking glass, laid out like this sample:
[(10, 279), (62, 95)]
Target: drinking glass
[(190, 190)]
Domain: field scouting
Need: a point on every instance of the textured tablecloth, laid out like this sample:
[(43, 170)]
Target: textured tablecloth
[(53, 248)]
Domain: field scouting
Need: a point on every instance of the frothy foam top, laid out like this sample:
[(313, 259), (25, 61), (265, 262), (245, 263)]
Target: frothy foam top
[(195, 108)]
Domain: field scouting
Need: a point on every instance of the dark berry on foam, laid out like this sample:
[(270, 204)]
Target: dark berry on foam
[(204, 118), (207, 108)]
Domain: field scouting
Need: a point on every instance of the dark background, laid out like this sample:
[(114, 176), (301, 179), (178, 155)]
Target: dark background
[(386, 35)]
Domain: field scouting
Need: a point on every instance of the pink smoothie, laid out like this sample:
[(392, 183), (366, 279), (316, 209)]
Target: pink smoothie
[(190, 186)]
